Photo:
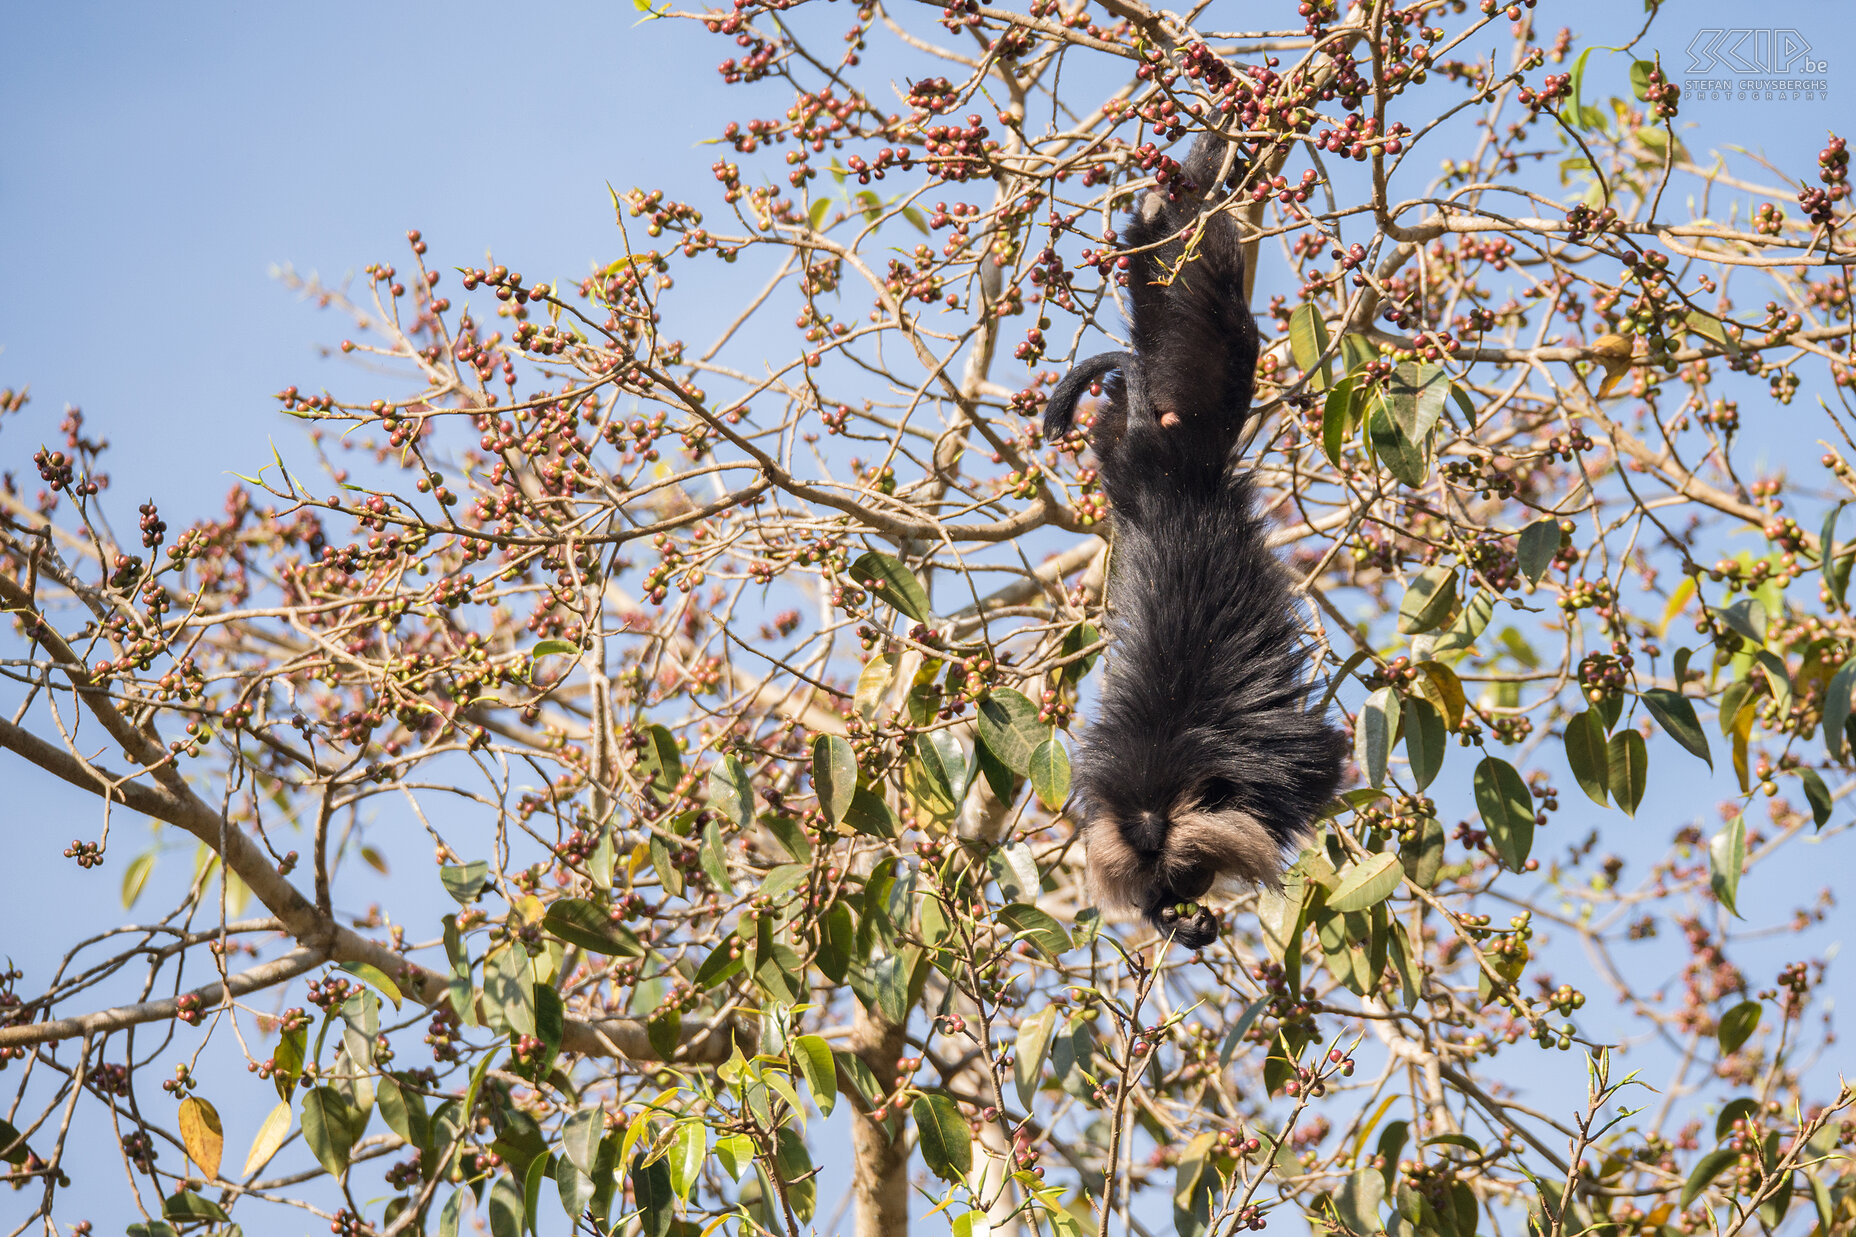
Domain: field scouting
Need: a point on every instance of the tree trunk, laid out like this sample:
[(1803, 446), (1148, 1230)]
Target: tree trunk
[(880, 1176)]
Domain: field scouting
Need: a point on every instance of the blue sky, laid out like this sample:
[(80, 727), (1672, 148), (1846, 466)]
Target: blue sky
[(157, 162)]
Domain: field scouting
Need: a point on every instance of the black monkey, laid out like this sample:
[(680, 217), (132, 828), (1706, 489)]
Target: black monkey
[(1204, 760)]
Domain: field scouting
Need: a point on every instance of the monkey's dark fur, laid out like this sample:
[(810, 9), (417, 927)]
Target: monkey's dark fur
[(1204, 761)]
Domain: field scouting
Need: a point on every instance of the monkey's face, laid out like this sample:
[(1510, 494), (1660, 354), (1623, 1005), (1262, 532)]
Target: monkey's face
[(1160, 861)]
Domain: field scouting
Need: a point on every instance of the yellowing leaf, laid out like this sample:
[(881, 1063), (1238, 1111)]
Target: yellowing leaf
[(1442, 688), (1678, 602), (135, 877), (270, 1137), (201, 1132), (872, 683)]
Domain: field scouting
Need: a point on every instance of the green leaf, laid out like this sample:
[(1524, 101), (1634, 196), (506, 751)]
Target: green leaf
[(135, 877), (1837, 696), (1338, 416), (465, 881), (1357, 1201), (1640, 78), (837, 941), (888, 579), (1817, 795), (1629, 762), (288, 1056), (687, 1153), (714, 858), (574, 1187), (661, 760), (735, 1153), (941, 1133), (1834, 568), (865, 1090), (1737, 1025), (1398, 957), (1469, 624), (723, 961), (1747, 617), (509, 990), (1308, 342), (834, 775), (1028, 1053), (942, 759), (1404, 459), (1193, 1194), (402, 1108), (550, 1026), (1535, 551), (794, 1165), (1464, 404), (458, 990), (580, 1135), (651, 1190), (871, 816), (328, 1128), (664, 1031), (1574, 111), (1710, 328), (1588, 755), (1737, 698), (376, 978), (539, 1169), (1454, 1140), (1427, 740), (1732, 1111), (1009, 727), (1676, 715), (1234, 1034), (1016, 869), (1428, 601), (819, 1069), (1367, 883), (580, 922), (1423, 856), (892, 984), (1507, 808), (1050, 773), (1726, 858), (1821, 1199), (186, 1205), (506, 1207), (1374, 731), (1078, 662), (1706, 1170), (549, 648), (1036, 926), (731, 792)]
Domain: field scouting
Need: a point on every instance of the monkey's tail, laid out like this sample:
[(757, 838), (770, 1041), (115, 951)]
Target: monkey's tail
[(1060, 409)]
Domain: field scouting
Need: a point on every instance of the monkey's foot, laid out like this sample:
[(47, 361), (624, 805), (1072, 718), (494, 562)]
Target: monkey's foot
[(1190, 924)]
